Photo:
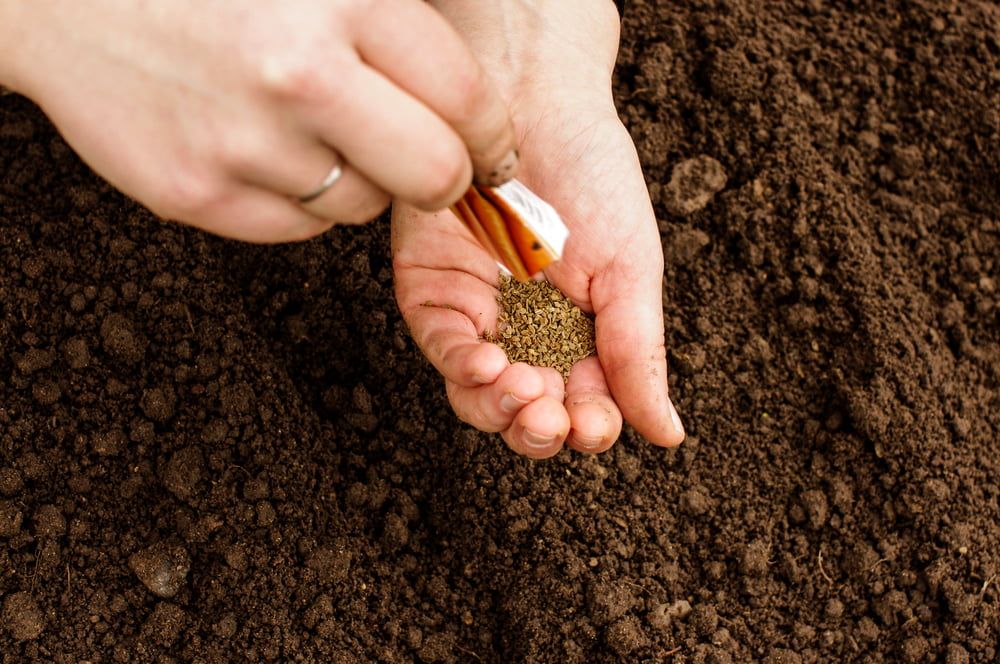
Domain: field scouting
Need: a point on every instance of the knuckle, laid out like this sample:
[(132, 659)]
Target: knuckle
[(470, 94), (242, 151), (293, 77), (363, 211), (485, 421), (458, 405), (475, 415), (429, 344), (448, 175), (185, 195)]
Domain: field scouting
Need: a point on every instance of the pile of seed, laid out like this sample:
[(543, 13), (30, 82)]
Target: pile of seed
[(541, 326)]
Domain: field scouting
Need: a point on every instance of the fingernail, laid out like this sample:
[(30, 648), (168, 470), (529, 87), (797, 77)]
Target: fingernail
[(504, 171), (511, 404), (537, 441), (675, 419), (480, 379), (588, 442)]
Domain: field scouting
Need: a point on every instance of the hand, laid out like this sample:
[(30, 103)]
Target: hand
[(222, 113), (576, 154)]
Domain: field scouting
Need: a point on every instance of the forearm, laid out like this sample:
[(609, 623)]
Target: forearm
[(9, 41)]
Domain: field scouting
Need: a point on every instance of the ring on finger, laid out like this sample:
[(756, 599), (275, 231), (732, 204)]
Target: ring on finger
[(331, 179)]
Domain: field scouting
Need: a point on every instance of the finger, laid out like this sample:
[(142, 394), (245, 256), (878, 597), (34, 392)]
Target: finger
[(294, 166), (253, 215), (539, 429), (352, 199), (426, 296), (450, 341), (414, 46), (594, 417), (452, 246), (630, 345), (447, 313), (555, 386), (392, 138), (494, 407)]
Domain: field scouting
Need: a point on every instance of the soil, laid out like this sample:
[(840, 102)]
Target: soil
[(214, 452)]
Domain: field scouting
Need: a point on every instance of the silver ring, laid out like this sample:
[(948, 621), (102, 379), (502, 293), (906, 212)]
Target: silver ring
[(331, 179)]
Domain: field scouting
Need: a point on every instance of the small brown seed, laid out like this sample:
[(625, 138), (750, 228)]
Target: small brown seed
[(539, 325)]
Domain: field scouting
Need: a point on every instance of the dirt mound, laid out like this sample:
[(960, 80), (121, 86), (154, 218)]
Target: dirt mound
[(215, 452)]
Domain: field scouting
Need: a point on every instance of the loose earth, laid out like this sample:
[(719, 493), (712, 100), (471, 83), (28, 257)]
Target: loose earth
[(217, 452)]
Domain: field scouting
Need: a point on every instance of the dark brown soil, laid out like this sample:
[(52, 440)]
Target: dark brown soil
[(213, 452)]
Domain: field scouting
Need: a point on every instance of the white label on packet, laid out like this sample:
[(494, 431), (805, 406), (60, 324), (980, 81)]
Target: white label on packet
[(540, 217)]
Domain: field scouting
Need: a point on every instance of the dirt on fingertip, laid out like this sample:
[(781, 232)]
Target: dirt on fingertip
[(215, 452)]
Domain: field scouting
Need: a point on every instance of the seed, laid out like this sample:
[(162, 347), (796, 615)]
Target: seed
[(541, 326)]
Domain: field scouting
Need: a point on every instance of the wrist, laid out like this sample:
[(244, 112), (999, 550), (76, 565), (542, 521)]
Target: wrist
[(558, 45)]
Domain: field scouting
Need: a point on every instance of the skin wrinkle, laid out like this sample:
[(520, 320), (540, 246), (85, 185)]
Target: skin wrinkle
[(475, 415), (400, 261), (656, 358), (594, 398), (435, 340), (585, 225), (402, 266), (580, 291), (505, 33), (446, 356), (476, 319)]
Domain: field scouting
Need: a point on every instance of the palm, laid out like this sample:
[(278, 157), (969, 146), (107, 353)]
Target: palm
[(584, 164)]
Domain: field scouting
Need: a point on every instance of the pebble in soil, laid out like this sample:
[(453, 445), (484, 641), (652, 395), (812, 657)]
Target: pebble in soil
[(162, 568), (541, 326), (22, 616), (693, 183)]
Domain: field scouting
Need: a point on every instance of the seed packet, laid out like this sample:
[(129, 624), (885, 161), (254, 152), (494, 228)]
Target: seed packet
[(522, 233)]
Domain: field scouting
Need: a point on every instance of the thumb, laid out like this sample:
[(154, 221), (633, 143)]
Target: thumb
[(630, 344)]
